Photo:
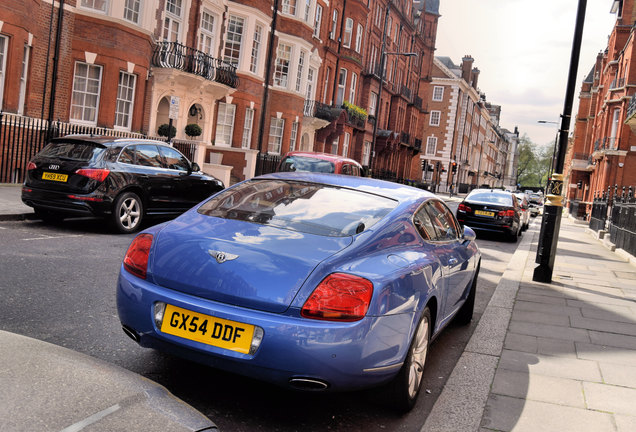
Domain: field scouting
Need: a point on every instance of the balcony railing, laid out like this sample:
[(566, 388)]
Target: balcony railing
[(417, 101), (617, 83), (607, 143), (631, 109), (177, 56), (405, 138)]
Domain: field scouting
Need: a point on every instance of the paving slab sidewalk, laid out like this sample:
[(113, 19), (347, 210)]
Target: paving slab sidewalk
[(550, 357)]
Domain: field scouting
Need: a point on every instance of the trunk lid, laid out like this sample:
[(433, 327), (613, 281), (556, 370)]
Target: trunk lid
[(237, 262)]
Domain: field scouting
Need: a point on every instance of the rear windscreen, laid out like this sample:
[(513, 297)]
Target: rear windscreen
[(491, 198), (307, 164), (300, 206), (77, 151)]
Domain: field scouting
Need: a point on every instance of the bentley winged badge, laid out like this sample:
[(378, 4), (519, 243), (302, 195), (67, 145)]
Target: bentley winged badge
[(221, 257)]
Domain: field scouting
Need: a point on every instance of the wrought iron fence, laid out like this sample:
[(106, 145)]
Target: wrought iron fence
[(22, 137), (616, 213), (267, 163)]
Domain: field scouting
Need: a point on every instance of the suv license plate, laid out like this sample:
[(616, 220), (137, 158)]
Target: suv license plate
[(54, 176)]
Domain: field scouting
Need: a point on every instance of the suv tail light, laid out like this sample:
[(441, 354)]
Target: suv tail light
[(339, 297), (95, 174), (464, 208), (31, 166), (507, 213), (136, 259)]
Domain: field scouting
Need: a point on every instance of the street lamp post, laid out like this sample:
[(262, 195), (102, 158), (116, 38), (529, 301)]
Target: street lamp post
[(551, 222), (378, 105)]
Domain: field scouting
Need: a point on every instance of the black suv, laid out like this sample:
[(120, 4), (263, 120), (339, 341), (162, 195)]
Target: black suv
[(120, 179)]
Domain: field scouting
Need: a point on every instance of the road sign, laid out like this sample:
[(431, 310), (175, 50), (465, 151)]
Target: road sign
[(174, 108)]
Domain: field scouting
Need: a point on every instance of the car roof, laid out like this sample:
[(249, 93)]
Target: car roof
[(106, 140), (397, 191), (324, 156), (495, 191)]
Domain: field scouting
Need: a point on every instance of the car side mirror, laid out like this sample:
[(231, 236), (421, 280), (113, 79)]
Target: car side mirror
[(469, 234), (195, 167)]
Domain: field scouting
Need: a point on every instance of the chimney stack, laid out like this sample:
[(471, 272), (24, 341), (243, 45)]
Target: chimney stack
[(467, 64), (475, 78)]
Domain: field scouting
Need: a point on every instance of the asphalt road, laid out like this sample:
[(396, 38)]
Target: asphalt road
[(58, 284)]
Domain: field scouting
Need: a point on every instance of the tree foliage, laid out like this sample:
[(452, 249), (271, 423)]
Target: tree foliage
[(534, 163)]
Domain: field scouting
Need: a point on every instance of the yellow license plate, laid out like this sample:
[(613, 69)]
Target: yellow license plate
[(207, 329), (484, 213), (54, 176)]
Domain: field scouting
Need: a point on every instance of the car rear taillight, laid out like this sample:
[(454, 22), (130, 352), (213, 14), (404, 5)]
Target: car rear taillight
[(95, 174), (464, 208), (507, 213), (136, 259), (31, 166), (339, 297)]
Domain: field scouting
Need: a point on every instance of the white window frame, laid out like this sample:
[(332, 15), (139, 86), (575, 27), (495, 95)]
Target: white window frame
[(373, 103), (248, 124), (282, 66), (93, 5), (226, 113), (276, 130), (438, 93), (334, 145), (311, 79), (435, 119), (290, 7), (348, 33), (342, 82), (307, 10), (293, 137), (359, 33), (431, 146), (353, 87), (324, 91), (4, 48), (83, 93), (125, 98), (300, 71), (132, 11), (256, 48), (234, 40), (366, 153), (345, 144), (317, 21), (334, 24), (23, 79), (172, 22), (207, 32)]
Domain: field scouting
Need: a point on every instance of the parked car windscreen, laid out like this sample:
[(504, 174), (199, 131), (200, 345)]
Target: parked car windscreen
[(307, 164), (489, 197), (76, 151), (300, 206)]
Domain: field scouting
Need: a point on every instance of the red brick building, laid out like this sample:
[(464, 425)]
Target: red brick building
[(256, 76), (602, 151)]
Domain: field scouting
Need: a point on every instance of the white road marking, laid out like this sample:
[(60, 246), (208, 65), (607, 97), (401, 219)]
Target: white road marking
[(92, 419), (53, 237)]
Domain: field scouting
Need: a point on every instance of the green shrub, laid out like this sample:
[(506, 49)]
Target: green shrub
[(165, 128), (193, 130)]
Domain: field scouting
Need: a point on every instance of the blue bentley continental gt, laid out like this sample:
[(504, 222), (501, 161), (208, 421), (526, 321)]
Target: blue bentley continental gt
[(311, 281)]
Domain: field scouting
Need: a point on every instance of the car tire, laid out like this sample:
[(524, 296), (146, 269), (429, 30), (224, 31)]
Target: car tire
[(405, 387), (48, 216), (465, 314), (128, 212)]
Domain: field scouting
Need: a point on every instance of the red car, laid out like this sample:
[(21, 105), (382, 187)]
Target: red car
[(319, 162)]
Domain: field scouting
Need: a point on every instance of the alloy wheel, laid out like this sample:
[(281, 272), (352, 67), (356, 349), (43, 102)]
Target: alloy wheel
[(416, 366)]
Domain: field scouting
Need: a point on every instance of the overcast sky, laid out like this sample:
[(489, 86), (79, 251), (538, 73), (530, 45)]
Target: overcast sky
[(522, 49)]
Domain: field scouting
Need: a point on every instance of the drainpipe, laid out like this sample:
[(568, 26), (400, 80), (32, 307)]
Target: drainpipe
[(268, 73), (56, 61), (337, 74), (48, 55)]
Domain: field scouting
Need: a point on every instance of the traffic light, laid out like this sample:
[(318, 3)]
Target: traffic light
[(579, 184), (454, 166)]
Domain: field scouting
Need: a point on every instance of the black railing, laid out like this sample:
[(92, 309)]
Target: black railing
[(267, 163), (617, 83), (177, 56), (631, 109), (417, 101), (607, 143), (405, 138), (622, 224)]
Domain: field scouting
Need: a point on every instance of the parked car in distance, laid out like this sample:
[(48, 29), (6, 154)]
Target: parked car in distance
[(491, 210), (535, 201), (123, 180), (320, 163), (525, 210), (310, 281)]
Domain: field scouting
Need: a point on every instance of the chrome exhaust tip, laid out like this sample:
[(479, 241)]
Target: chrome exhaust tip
[(131, 333), (308, 384)]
